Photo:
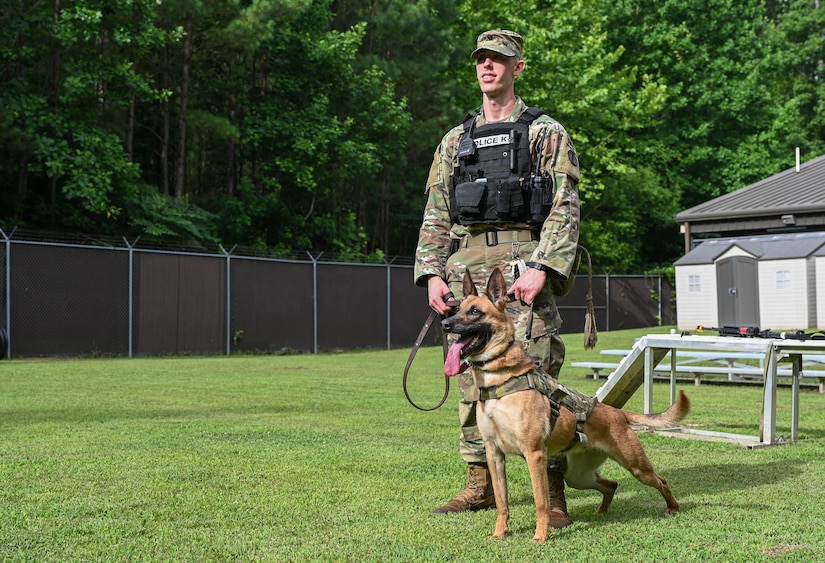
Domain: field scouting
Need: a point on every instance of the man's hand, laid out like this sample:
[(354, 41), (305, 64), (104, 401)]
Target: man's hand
[(437, 288), (528, 285)]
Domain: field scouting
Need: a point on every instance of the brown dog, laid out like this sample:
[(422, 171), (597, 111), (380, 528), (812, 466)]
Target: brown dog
[(520, 422)]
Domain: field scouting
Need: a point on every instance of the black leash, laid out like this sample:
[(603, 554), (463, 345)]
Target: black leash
[(422, 334)]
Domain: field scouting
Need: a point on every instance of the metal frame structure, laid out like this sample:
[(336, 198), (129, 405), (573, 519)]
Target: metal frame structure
[(638, 368)]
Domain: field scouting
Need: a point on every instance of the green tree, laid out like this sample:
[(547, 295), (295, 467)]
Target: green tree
[(713, 134), (414, 44), (310, 124), (245, 121), (297, 128), (794, 68), (710, 137), (69, 112)]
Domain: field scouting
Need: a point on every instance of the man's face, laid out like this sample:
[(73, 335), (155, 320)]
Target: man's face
[(496, 73)]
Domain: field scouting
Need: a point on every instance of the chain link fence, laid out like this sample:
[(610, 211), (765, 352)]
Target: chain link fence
[(68, 297)]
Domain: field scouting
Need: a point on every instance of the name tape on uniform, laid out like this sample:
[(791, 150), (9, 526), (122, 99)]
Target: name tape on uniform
[(493, 140)]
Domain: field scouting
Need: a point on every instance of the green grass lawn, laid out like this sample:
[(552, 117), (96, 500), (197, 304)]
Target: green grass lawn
[(296, 458)]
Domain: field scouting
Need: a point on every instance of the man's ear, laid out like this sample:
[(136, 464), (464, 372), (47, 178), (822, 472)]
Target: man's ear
[(519, 68)]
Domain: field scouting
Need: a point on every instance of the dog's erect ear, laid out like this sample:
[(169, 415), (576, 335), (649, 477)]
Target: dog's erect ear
[(497, 289), (468, 286)]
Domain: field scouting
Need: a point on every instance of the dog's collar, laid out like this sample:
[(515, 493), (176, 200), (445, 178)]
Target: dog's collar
[(480, 366)]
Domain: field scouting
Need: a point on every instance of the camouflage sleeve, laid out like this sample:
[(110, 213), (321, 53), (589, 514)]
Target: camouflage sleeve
[(433, 247), (560, 231)]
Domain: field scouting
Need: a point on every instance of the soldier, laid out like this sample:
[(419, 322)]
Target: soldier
[(502, 192)]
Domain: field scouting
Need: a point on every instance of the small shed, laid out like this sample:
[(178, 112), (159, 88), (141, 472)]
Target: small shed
[(774, 282)]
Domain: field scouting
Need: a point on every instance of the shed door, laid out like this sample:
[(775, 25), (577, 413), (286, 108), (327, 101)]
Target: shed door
[(737, 291)]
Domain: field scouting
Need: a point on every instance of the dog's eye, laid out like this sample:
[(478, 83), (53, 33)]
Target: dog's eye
[(475, 310)]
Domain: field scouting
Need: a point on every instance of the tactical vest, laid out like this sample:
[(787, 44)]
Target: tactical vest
[(495, 179)]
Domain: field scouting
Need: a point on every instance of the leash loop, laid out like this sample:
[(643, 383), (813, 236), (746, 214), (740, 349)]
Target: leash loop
[(449, 300)]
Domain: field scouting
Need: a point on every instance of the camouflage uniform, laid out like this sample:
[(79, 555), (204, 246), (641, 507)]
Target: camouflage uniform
[(480, 251)]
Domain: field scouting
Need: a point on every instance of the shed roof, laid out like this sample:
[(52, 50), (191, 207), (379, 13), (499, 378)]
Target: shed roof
[(768, 247), (760, 206)]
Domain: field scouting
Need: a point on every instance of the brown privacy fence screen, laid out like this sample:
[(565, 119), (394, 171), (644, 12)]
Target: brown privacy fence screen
[(93, 298)]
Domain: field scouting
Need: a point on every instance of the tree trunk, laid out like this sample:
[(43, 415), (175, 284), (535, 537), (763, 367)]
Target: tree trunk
[(53, 202), (164, 115), (180, 179), (56, 61), (385, 211), (203, 143), (130, 127), (22, 187), (230, 157)]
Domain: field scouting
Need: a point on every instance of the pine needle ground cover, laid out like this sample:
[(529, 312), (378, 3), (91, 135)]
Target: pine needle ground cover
[(321, 458)]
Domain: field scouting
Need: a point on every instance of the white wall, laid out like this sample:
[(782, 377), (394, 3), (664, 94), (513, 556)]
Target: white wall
[(695, 308), (784, 306), (820, 291), (810, 265)]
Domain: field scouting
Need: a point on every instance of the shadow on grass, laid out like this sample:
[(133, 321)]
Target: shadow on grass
[(635, 501), (723, 477), (753, 430)]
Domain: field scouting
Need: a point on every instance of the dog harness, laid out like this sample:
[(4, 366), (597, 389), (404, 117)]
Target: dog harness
[(579, 404)]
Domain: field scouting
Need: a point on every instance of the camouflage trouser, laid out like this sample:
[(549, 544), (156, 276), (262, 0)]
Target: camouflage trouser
[(545, 346)]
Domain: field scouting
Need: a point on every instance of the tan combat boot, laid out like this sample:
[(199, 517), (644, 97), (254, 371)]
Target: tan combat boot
[(558, 505), (478, 494)]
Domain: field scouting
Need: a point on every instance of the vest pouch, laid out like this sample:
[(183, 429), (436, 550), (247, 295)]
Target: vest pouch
[(510, 204), (469, 197), (541, 200)]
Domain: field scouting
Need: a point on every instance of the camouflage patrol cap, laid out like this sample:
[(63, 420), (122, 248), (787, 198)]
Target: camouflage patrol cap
[(508, 43)]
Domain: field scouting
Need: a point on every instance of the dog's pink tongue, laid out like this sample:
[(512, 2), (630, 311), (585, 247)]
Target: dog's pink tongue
[(452, 364)]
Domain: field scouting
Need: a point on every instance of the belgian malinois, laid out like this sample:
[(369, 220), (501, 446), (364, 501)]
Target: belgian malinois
[(519, 423)]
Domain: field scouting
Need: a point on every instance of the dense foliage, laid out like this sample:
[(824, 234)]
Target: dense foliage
[(309, 125)]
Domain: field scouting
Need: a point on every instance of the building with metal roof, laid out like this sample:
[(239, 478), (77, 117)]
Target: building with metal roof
[(790, 201), (756, 256)]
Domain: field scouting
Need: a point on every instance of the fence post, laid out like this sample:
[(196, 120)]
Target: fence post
[(131, 289), (660, 300), (389, 302), (314, 301), (7, 297), (607, 301), (228, 297)]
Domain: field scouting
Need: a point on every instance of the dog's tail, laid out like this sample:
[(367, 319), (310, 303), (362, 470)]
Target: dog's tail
[(676, 412)]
